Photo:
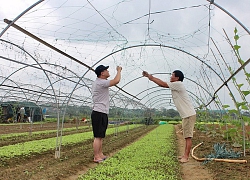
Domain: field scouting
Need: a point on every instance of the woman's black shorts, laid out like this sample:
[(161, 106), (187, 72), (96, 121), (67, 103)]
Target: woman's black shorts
[(99, 124)]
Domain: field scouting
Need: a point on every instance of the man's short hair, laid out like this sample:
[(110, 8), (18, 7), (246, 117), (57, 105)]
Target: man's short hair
[(179, 74), (100, 69)]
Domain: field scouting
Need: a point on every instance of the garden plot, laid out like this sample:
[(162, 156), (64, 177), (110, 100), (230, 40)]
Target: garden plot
[(74, 156), (152, 157)]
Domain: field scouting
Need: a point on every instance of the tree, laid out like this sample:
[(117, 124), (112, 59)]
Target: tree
[(172, 113)]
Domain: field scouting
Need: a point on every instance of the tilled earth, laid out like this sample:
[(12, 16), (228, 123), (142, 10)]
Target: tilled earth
[(73, 159), (221, 170), (78, 159)]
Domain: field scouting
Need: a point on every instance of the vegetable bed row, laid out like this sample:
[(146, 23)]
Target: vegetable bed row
[(43, 145), (152, 157)]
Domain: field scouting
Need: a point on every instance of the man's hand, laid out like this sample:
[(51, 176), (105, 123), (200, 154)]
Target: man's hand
[(119, 68), (149, 76), (117, 78), (154, 79), (145, 73)]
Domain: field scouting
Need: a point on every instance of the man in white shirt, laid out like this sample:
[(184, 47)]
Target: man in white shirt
[(183, 105), (99, 115)]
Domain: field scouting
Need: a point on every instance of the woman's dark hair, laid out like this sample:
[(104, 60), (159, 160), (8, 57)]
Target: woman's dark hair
[(179, 74)]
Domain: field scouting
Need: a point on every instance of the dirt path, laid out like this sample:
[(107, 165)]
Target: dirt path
[(192, 170)]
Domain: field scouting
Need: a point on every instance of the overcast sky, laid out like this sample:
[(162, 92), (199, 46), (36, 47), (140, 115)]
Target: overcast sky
[(158, 36)]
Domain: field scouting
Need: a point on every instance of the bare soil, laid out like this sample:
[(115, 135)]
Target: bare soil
[(74, 159), (192, 169), (77, 159), (212, 170)]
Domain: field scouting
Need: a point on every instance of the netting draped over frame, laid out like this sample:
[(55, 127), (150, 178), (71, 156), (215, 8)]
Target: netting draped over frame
[(159, 37)]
